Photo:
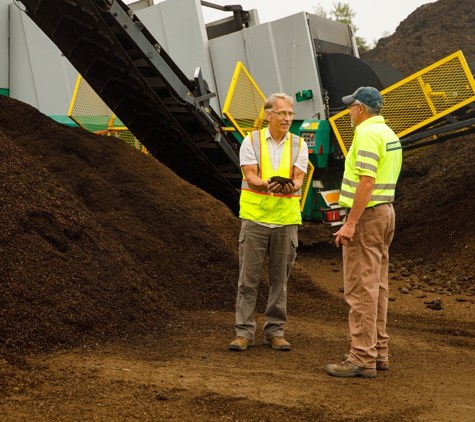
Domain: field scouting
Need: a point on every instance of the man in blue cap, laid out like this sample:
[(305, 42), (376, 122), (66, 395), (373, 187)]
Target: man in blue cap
[(372, 168)]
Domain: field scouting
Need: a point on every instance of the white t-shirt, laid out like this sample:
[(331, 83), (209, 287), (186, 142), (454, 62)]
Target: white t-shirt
[(247, 156)]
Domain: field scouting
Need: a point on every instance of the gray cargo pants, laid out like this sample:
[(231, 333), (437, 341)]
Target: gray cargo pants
[(255, 243)]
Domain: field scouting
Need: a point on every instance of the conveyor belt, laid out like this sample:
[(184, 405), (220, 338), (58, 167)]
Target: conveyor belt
[(134, 76)]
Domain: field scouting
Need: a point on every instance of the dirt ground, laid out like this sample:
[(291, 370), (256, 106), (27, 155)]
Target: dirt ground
[(186, 373), (118, 283)]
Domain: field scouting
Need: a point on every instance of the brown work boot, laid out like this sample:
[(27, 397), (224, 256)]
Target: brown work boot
[(277, 343), (347, 369), (381, 365), (241, 343)]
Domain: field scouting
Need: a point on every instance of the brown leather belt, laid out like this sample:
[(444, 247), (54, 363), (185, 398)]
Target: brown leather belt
[(367, 208)]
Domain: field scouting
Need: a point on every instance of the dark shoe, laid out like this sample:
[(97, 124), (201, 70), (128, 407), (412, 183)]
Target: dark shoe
[(381, 365), (347, 369), (241, 343), (277, 343)]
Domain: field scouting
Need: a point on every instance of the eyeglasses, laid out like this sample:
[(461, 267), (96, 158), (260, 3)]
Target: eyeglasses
[(291, 114), (352, 105)]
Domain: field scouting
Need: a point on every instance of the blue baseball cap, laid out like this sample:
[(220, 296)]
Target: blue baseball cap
[(366, 95)]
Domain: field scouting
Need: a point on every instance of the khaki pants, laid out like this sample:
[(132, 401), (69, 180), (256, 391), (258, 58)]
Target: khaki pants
[(255, 243), (365, 267)]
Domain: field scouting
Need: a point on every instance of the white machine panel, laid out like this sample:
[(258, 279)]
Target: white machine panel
[(278, 55), (44, 78), (4, 60), (332, 37), (225, 52), (297, 63), (179, 27), (152, 18)]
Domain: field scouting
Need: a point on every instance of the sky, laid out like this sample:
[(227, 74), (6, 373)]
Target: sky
[(374, 18)]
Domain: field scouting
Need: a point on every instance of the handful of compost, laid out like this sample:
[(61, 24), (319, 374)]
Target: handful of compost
[(283, 181)]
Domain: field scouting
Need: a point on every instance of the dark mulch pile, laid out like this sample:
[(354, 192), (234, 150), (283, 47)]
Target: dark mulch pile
[(430, 33), (434, 205), (99, 240), (434, 192)]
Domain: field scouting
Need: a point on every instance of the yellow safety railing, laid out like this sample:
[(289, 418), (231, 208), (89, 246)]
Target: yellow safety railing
[(306, 185), (244, 103), (418, 100), (91, 113)]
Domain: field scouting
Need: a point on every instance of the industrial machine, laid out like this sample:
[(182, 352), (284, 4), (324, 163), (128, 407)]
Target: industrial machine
[(167, 77)]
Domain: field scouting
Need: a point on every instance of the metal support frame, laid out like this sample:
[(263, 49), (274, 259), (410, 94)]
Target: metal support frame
[(240, 19), (439, 134), (199, 105), (150, 53), (203, 99), (219, 139)]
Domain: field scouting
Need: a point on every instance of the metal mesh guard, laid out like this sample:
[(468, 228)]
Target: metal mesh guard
[(244, 103), (306, 185), (418, 100), (89, 111)]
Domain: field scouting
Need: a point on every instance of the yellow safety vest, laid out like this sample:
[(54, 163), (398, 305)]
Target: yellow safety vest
[(267, 207), (376, 152)]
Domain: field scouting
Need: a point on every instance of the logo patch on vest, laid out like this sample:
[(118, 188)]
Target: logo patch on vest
[(393, 146)]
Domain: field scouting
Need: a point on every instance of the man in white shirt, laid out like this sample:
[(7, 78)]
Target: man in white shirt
[(270, 213)]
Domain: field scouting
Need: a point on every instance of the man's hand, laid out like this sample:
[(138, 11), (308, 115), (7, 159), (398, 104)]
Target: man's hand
[(363, 193), (282, 180), (253, 180), (287, 186), (344, 235), (279, 184)]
